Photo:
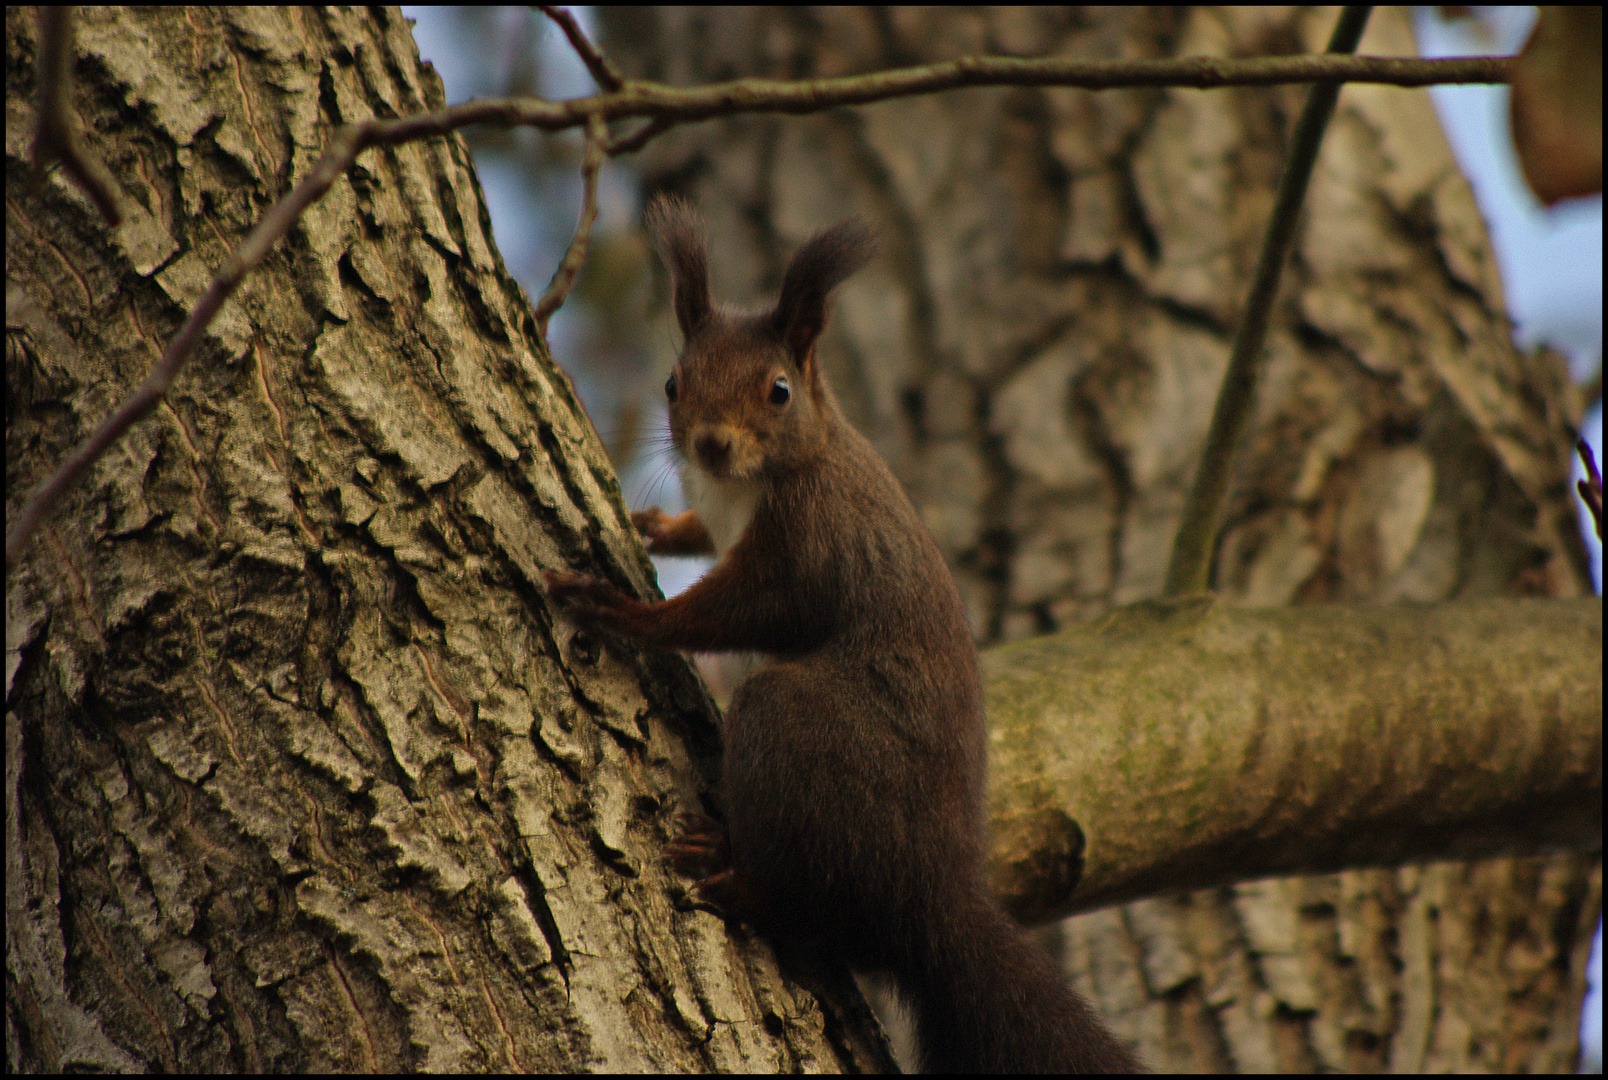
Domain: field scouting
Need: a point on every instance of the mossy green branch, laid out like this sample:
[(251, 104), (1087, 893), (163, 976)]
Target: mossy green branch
[(1191, 743)]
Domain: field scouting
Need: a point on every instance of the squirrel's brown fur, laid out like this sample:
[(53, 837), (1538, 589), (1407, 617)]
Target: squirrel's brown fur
[(854, 760)]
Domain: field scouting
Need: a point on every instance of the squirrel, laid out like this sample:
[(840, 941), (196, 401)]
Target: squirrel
[(854, 760)]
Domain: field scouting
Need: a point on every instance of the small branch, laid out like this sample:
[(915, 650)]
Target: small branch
[(666, 106), (1190, 567), (1197, 72), (1591, 487), (564, 276), (630, 144), (57, 137), (676, 105), (603, 72)]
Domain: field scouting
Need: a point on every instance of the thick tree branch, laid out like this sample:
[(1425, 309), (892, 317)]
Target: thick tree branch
[(1194, 743)]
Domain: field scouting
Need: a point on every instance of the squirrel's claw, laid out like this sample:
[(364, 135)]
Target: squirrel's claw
[(581, 593), (700, 850)]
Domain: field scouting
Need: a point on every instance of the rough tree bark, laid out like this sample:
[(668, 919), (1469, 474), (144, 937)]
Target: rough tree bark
[(1066, 268), (299, 772)]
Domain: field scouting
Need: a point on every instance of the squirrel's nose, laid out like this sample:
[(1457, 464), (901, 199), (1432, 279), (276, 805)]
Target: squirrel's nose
[(714, 450)]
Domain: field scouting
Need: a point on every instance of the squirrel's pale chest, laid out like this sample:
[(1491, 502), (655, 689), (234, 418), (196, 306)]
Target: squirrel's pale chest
[(724, 506)]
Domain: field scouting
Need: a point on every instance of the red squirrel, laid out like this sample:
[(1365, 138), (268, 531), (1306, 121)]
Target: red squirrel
[(854, 760)]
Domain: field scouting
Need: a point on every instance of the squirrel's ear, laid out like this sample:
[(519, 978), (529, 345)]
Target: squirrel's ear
[(817, 268), (673, 224)]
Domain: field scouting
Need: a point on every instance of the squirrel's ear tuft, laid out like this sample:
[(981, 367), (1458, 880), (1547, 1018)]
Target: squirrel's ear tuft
[(817, 268), (676, 231)]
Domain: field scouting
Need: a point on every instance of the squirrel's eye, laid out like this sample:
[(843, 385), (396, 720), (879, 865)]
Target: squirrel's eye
[(670, 387), (780, 391)]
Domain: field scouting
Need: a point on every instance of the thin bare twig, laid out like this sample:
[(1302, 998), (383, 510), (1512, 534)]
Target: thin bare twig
[(603, 72), (678, 105), (630, 144), (1190, 566), (666, 106), (564, 277), (57, 137)]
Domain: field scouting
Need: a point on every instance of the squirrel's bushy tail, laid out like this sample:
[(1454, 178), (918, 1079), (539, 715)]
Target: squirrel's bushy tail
[(986, 998)]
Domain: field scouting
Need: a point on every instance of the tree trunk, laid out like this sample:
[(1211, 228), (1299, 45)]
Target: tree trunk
[(301, 773), (1067, 268)]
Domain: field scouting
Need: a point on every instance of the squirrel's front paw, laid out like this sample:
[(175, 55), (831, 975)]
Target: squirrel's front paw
[(653, 523), (583, 595), (682, 534)]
